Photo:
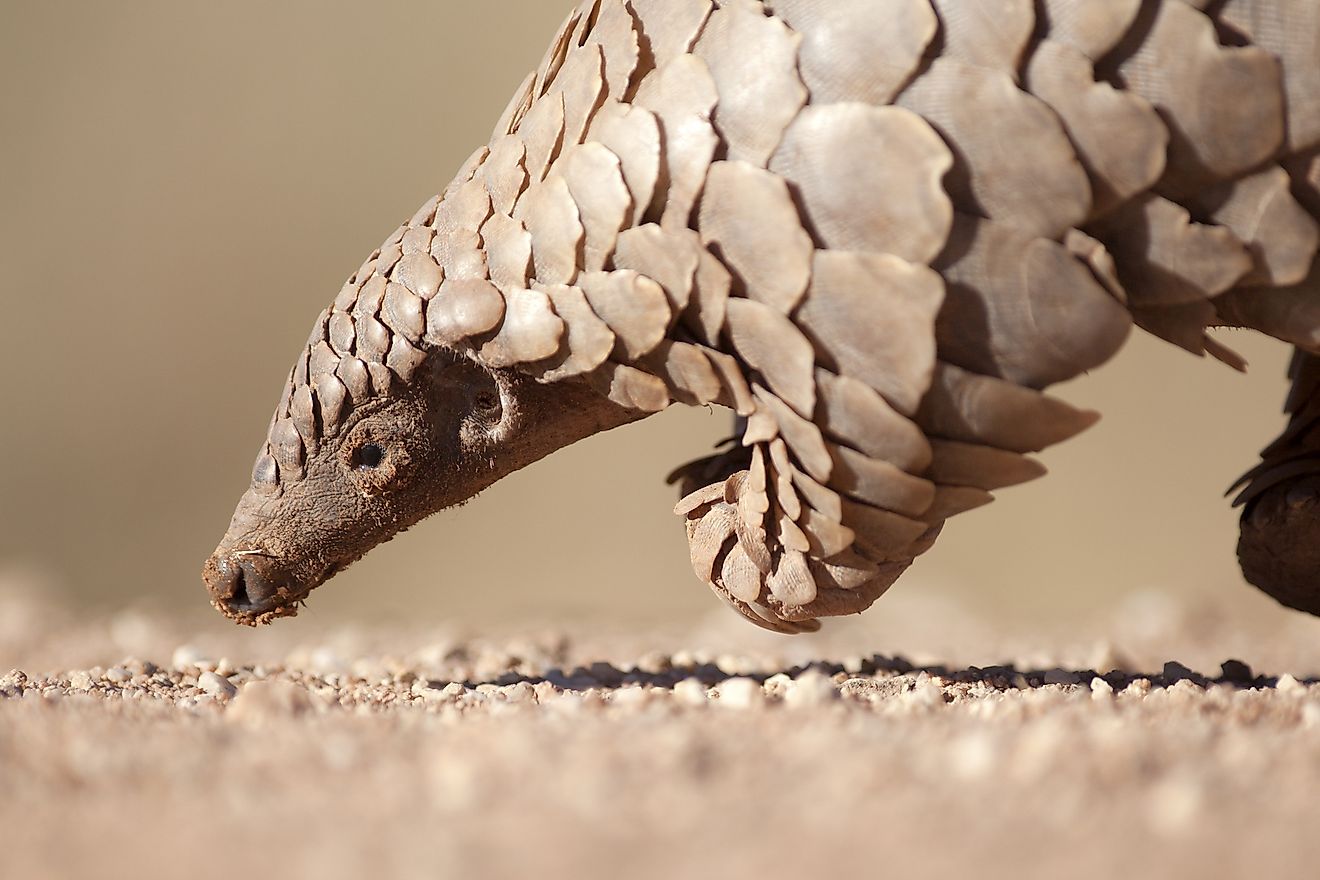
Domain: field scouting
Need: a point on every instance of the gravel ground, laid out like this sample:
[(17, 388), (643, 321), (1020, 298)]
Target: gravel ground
[(185, 749)]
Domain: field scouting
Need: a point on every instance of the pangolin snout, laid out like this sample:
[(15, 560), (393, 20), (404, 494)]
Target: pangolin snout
[(245, 586)]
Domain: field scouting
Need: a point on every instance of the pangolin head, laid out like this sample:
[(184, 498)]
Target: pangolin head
[(389, 414), (327, 487)]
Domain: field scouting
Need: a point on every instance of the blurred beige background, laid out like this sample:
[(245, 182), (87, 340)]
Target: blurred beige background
[(186, 184)]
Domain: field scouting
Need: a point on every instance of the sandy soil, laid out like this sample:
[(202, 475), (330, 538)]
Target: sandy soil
[(177, 748)]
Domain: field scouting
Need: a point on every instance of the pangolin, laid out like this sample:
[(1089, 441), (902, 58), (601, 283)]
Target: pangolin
[(876, 230)]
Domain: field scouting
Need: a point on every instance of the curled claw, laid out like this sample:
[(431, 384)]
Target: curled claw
[(846, 583)]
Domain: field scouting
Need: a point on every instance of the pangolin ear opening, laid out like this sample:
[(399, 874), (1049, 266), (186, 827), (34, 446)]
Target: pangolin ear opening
[(486, 400), (478, 399)]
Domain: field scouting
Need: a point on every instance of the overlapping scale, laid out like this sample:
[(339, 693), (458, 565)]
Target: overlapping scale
[(752, 59), (681, 94), (837, 57), (1044, 190), (868, 179)]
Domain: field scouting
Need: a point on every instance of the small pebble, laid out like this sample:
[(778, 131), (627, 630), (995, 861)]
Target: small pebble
[(740, 693), (1175, 671), (654, 663), (684, 659), (1184, 691), (80, 680), (733, 664), (811, 688), (188, 656), (521, 692), (1236, 671), (117, 674), (216, 685), (777, 685), (690, 692), (630, 697), (1101, 689), (1289, 685), (928, 693)]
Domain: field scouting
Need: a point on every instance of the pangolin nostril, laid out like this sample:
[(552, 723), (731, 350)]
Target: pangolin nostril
[(254, 590), (238, 596), (223, 577)]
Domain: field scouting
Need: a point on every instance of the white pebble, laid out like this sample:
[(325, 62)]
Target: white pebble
[(1289, 685), (777, 685), (1184, 691), (653, 663), (1101, 689), (630, 697), (740, 693), (187, 657), (928, 693), (811, 688), (732, 664), (216, 685), (118, 674), (80, 681), (684, 658), (521, 692), (691, 692)]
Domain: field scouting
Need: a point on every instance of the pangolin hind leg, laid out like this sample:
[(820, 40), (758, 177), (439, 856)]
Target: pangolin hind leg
[(1279, 543)]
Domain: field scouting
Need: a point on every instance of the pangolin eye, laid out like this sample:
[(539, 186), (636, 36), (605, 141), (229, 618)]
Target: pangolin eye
[(368, 456), (487, 401)]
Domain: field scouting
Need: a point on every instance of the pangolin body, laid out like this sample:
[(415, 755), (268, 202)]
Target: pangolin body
[(875, 229)]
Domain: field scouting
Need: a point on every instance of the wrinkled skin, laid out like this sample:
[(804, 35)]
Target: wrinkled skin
[(454, 430)]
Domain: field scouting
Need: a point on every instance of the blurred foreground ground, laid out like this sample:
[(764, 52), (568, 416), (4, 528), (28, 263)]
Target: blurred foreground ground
[(141, 746)]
